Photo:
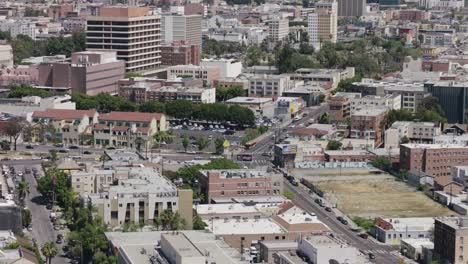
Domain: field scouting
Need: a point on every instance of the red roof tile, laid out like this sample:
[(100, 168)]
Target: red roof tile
[(143, 130), (100, 126), (63, 114), (120, 128), (130, 116)]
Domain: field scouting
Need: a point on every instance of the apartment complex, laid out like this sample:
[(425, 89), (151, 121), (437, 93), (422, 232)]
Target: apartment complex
[(186, 28), (134, 32), (139, 199), (180, 53), (228, 184), (128, 129), (89, 72), (451, 239), (365, 124), (432, 159), (141, 92), (19, 27), (278, 29), (268, 85), (71, 126)]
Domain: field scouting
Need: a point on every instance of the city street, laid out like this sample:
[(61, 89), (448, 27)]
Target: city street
[(42, 229), (383, 254)]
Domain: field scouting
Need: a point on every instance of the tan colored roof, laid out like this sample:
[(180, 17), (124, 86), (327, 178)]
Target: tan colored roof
[(130, 116), (63, 114), (308, 131)]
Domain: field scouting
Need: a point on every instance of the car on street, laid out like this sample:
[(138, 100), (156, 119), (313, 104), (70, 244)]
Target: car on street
[(328, 209), (363, 235), (29, 147), (59, 145), (110, 148), (30, 227), (63, 150), (371, 256), (73, 147), (87, 152), (59, 239)]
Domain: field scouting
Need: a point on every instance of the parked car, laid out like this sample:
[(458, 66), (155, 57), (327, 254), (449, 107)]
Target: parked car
[(363, 235), (63, 150), (29, 147), (59, 239), (73, 147), (371, 256), (87, 152), (328, 209)]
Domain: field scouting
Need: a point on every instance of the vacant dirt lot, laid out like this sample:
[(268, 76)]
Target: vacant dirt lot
[(380, 197)]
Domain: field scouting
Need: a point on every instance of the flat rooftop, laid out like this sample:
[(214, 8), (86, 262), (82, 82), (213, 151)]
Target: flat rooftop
[(238, 173), (411, 223), (325, 242), (432, 146), (181, 243), (375, 111), (233, 208), (249, 100), (244, 226)]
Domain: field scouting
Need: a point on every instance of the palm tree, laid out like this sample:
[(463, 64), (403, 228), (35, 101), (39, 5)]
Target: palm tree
[(49, 251), (23, 190)]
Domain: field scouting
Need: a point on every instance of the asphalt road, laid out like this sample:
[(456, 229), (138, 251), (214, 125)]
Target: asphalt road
[(266, 145), (42, 229), (383, 254)]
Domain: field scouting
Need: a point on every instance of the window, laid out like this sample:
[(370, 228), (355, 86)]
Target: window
[(222, 193)]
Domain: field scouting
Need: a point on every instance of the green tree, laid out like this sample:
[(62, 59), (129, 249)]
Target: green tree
[(22, 190), (152, 107), (334, 145), (26, 217), (324, 119), (202, 143), (13, 129), (219, 146), (381, 162), (365, 223), (289, 195), (49, 251), (185, 142), (22, 90), (404, 140), (198, 223)]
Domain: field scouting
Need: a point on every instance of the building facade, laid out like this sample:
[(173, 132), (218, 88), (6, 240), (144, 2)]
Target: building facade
[(450, 239), (185, 28), (365, 124), (133, 32), (180, 53), (351, 8), (268, 85), (227, 184), (278, 29)]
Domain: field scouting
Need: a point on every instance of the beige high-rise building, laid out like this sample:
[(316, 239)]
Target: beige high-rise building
[(323, 24), (186, 28), (134, 32), (278, 29)]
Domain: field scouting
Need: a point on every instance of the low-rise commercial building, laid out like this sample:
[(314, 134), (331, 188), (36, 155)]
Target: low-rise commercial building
[(392, 230), (324, 249), (413, 131), (411, 93), (208, 74), (260, 106), (240, 183), (26, 105), (389, 102), (415, 248), (89, 72), (229, 68), (271, 86), (365, 124), (328, 78)]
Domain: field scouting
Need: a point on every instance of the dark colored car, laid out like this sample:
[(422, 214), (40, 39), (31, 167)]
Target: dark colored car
[(339, 218), (63, 150), (371, 256), (87, 152), (73, 147), (29, 147), (363, 235), (110, 148), (328, 209)]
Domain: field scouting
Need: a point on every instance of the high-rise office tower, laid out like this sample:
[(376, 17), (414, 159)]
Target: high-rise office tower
[(185, 28), (134, 32), (323, 24), (351, 8), (278, 29)]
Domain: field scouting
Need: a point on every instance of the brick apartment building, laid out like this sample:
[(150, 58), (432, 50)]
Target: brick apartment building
[(180, 53), (365, 124), (89, 72), (228, 184), (340, 108), (432, 159), (451, 239)]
